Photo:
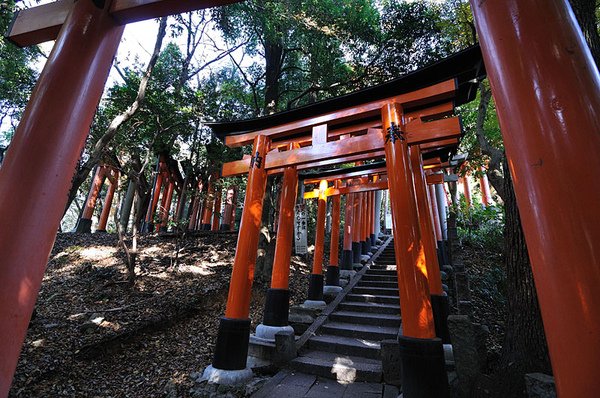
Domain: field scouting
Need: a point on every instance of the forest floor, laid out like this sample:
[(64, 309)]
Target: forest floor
[(93, 336)]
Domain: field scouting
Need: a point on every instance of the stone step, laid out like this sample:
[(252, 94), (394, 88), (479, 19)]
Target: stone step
[(380, 267), (388, 284), (367, 332), (376, 308), (338, 367), (376, 291), (346, 345), (390, 257), (380, 278), (387, 272), (363, 318), (370, 298)]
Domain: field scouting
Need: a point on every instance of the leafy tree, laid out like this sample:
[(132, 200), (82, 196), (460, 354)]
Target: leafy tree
[(302, 51), (413, 36), (17, 76)]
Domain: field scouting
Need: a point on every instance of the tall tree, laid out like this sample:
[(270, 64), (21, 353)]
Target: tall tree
[(301, 51)]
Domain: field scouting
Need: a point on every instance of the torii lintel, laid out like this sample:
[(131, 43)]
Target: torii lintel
[(42, 23)]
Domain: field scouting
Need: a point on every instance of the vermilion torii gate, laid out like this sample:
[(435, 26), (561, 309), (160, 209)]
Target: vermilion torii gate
[(36, 174), (415, 110), (102, 172)]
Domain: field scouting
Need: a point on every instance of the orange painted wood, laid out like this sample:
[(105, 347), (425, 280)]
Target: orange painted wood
[(430, 113), (426, 226), (36, 173), (432, 161), (332, 162), (127, 11), (435, 179), (207, 211), (361, 127), (551, 137), (466, 189), (317, 268), (95, 189), (285, 230), (242, 275), (348, 222), (339, 150), (421, 133), (108, 202), (345, 176), (415, 303), (434, 213), (335, 230), (365, 187), (413, 99), (357, 218)]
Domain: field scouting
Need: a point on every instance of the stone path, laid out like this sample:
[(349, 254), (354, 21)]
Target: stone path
[(343, 357), (290, 384)]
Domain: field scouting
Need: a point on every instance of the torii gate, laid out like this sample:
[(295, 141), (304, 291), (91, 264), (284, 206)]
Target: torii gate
[(36, 174), (414, 110)]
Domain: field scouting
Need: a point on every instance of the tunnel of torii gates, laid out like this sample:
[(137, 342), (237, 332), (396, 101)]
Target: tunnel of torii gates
[(199, 213), (547, 92)]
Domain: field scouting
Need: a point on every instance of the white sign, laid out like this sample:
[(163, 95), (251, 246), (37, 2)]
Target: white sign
[(388, 221), (300, 230)]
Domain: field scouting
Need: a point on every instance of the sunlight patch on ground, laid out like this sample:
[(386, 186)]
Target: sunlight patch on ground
[(343, 370), (153, 249), (97, 253), (197, 270)]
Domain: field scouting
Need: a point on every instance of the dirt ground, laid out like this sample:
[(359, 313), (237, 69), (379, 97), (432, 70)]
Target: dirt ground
[(93, 336)]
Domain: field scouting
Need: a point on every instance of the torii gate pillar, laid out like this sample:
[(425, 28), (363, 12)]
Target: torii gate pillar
[(422, 355), (315, 287), (547, 91), (277, 302), (231, 349), (52, 131)]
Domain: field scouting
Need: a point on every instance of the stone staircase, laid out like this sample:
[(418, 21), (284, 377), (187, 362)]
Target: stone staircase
[(347, 346)]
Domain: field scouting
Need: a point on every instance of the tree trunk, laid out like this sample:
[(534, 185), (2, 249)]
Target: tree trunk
[(585, 12), (524, 349), (99, 148), (273, 60)]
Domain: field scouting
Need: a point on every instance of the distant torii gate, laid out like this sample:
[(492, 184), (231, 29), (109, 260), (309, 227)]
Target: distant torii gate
[(36, 174)]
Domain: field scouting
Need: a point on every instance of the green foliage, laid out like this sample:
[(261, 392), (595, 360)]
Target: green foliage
[(480, 226), (310, 50), (17, 77), (491, 128), (412, 36)]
